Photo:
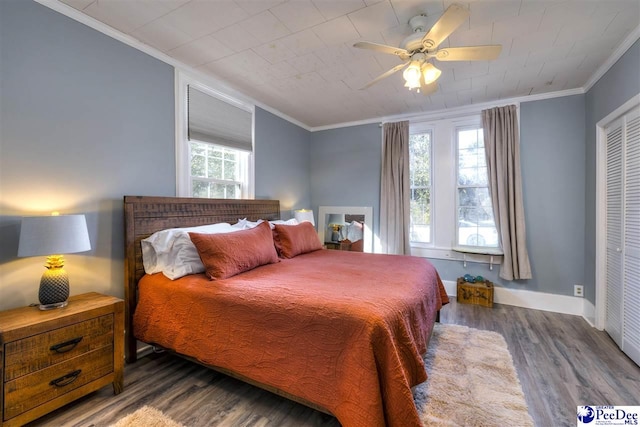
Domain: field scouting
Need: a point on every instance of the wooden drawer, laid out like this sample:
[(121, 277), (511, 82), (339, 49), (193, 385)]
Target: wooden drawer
[(32, 354), (37, 388), (50, 358)]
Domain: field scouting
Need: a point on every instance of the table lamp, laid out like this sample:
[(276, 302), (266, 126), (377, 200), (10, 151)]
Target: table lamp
[(53, 236), (303, 215)]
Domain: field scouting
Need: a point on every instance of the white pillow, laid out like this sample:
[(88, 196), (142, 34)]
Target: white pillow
[(354, 231), (291, 221), (172, 252), (244, 224)]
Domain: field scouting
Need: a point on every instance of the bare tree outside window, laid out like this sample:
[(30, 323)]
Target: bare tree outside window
[(420, 181), (215, 171)]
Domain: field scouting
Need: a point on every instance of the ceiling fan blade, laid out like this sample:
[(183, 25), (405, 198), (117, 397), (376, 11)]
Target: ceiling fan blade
[(384, 75), (383, 48), (470, 53), (451, 19)]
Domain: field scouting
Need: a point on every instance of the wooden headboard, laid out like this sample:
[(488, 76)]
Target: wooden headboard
[(143, 216)]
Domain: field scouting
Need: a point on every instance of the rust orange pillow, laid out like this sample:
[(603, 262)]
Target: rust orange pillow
[(292, 240), (227, 254)]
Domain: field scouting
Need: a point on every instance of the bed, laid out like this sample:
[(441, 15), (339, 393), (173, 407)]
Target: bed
[(314, 328)]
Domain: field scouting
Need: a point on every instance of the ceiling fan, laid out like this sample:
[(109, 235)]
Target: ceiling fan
[(420, 47)]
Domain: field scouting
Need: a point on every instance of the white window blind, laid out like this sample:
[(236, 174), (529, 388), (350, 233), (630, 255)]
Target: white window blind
[(215, 121)]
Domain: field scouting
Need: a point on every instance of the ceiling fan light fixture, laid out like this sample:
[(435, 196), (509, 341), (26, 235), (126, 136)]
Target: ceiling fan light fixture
[(430, 73), (412, 85), (412, 75), (423, 45)]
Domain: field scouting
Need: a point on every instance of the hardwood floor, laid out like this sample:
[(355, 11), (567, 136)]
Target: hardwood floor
[(562, 362)]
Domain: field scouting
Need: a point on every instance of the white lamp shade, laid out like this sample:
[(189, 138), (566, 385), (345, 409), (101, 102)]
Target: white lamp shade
[(412, 74), (336, 219), (303, 215), (47, 235), (430, 73)]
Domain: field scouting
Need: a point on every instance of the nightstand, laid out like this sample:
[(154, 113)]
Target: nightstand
[(50, 358)]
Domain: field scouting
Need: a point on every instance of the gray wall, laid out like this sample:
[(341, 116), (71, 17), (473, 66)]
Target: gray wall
[(345, 168), (552, 159), (617, 86), (85, 120), (282, 162)]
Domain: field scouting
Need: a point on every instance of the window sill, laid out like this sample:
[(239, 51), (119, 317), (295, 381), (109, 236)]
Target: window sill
[(478, 251), (463, 254)]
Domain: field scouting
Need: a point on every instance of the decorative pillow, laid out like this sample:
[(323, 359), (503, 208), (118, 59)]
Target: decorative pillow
[(292, 240), (172, 253), (225, 255), (357, 246)]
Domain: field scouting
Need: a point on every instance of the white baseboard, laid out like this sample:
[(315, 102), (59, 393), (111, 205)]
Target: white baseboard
[(589, 313), (537, 300)]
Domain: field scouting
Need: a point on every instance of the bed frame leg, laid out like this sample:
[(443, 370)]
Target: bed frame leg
[(438, 316)]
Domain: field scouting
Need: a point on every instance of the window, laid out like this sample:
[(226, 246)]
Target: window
[(214, 147), (216, 172), (450, 203), (475, 226), (420, 177)]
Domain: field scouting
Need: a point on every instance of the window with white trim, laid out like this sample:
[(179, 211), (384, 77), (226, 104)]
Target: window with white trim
[(214, 146), (450, 203), (475, 227)]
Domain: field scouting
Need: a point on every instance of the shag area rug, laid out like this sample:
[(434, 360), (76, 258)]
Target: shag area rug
[(472, 383), (147, 417)]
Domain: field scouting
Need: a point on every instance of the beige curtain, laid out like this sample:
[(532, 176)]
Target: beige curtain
[(505, 186), (394, 189)]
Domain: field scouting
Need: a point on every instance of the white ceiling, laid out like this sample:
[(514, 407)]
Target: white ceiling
[(296, 56)]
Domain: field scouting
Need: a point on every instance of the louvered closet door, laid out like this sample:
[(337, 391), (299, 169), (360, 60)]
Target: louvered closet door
[(614, 198), (631, 249)]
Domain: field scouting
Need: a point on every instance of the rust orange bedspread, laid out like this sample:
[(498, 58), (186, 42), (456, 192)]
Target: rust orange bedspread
[(344, 330)]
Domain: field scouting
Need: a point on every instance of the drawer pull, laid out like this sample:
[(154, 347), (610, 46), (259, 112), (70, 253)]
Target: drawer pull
[(67, 379), (62, 347)]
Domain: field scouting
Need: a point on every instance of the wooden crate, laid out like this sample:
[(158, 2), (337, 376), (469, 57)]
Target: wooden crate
[(479, 293)]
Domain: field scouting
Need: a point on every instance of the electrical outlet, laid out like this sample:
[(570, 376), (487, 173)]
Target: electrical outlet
[(578, 290)]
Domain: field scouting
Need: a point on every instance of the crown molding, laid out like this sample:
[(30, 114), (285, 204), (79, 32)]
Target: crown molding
[(218, 85), (453, 112), (617, 54)]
